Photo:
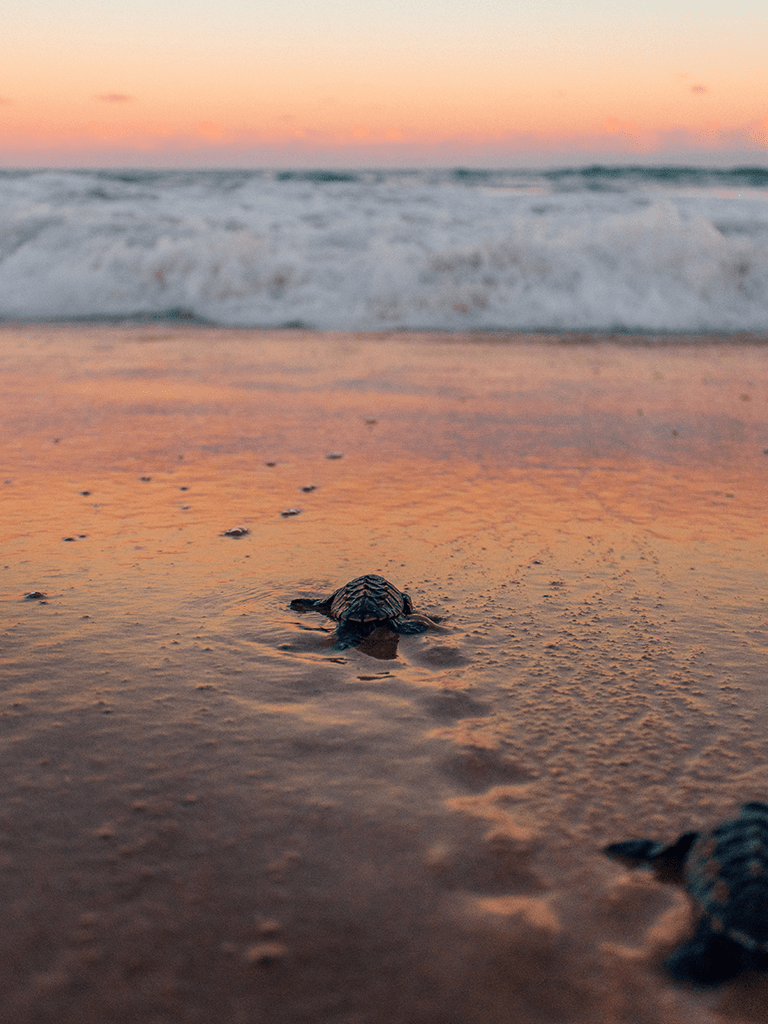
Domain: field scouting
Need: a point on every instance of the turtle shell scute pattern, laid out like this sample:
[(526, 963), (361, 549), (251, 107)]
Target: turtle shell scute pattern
[(369, 598), (726, 875)]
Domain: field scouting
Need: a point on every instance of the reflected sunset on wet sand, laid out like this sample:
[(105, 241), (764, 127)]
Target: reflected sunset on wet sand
[(210, 811)]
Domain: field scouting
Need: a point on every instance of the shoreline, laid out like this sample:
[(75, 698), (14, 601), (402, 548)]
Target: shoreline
[(480, 335)]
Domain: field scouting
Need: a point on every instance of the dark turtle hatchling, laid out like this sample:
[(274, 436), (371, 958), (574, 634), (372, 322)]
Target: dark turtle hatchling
[(363, 605), (725, 872)]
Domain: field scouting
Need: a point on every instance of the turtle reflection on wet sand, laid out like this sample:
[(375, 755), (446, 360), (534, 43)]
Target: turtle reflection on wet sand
[(363, 605), (725, 873)]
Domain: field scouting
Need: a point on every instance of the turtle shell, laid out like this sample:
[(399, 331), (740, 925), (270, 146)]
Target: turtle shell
[(369, 599), (726, 875)]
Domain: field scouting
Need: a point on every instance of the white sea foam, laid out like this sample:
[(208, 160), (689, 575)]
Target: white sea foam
[(633, 249)]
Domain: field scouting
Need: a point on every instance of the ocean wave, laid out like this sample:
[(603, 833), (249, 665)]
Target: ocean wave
[(641, 249)]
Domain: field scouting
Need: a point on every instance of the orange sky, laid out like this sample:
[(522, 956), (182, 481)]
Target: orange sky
[(441, 81)]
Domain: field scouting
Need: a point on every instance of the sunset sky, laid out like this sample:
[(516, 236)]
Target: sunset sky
[(217, 83)]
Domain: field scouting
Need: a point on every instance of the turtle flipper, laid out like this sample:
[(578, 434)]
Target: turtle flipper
[(635, 851), (707, 959), (677, 852), (646, 851), (667, 861), (306, 604), (407, 627)]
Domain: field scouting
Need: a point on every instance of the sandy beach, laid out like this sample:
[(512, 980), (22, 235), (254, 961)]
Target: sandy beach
[(209, 815)]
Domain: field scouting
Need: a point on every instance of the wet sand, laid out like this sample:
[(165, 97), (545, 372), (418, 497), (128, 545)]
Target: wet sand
[(210, 815)]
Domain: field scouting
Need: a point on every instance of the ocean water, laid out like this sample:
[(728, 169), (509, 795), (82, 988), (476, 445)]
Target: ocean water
[(618, 249)]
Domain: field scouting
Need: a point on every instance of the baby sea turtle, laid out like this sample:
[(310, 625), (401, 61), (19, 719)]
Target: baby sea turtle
[(725, 872), (361, 606)]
